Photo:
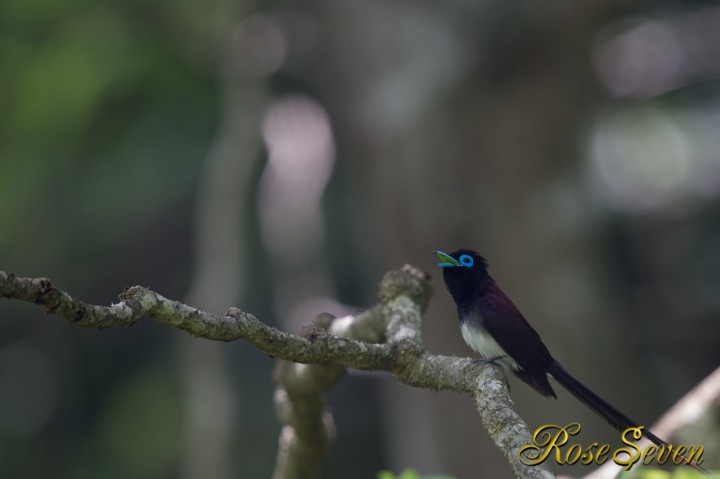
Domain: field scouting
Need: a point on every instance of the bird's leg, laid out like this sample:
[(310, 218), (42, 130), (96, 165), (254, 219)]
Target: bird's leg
[(493, 360)]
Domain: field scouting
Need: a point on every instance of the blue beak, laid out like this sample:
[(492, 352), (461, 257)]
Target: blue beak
[(446, 261)]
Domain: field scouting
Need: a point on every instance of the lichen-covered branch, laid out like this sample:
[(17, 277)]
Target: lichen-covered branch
[(386, 337), (301, 405)]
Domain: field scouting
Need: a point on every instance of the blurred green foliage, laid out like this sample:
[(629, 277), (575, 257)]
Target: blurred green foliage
[(107, 112), (106, 119), (408, 474), (678, 473)]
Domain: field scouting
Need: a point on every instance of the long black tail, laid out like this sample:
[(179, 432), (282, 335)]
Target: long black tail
[(617, 419)]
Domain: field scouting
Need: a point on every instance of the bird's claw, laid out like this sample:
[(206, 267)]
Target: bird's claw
[(485, 361)]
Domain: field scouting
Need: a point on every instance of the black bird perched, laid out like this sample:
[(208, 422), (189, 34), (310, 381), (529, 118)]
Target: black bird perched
[(492, 325)]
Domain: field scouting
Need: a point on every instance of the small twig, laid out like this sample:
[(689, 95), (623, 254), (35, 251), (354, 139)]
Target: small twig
[(688, 410)]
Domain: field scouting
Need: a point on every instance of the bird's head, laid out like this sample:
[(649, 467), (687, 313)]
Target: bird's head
[(463, 271)]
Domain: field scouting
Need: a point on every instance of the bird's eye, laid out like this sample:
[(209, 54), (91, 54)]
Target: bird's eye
[(466, 260)]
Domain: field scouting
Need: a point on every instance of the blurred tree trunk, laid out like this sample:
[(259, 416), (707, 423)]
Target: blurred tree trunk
[(211, 401)]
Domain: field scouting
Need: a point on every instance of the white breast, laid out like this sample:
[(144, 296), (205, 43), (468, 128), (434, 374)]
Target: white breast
[(483, 343)]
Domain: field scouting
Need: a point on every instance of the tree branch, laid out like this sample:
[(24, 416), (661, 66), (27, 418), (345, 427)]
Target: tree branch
[(387, 337), (301, 406)]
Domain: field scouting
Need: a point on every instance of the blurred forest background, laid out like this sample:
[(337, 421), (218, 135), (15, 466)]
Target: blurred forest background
[(282, 156)]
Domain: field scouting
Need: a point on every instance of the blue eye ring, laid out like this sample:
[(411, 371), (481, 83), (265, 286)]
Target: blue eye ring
[(466, 260)]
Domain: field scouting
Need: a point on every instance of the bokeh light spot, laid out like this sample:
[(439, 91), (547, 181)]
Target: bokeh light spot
[(640, 157)]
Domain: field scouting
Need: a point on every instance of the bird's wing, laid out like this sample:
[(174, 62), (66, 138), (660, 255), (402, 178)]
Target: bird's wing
[(510, 329)]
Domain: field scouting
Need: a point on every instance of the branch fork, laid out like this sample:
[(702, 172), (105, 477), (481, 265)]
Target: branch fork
[(385, 337)]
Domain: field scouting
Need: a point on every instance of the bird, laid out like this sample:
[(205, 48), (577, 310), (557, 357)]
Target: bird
[(496, 329)]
